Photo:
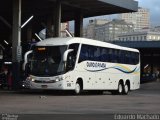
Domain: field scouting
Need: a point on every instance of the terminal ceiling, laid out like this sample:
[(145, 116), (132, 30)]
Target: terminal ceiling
[(43, 8)]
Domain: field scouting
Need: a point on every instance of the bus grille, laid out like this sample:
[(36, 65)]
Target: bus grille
[(43, 81)]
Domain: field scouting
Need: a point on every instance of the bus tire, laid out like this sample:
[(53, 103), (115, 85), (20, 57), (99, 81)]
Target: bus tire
[(120, 88), (125, 89), (78, 88)]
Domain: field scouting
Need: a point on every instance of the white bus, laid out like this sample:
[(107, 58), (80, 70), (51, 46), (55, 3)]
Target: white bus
[(81, 64)]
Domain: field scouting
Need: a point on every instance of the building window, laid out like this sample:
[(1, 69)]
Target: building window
[(154, 37), (137, 38), (133, 38)]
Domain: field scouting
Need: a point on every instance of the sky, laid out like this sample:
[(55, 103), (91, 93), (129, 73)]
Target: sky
[(152, 5)]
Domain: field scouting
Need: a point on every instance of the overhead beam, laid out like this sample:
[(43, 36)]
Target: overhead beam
[(5, 22), (131, 5)]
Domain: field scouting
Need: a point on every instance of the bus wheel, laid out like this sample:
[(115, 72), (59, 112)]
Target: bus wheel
[(125, 89), (77, 88), (120, 88)]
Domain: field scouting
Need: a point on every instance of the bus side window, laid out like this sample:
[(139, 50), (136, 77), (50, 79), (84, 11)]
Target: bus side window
[(129, 57), (136, 58), (123, 59), (72, 56), (110, 55), (115, 56), (104, 55), (83, 54), (75, 48), (119, 56), (90, 50), (126, 57), (97, 54), (132, 58)]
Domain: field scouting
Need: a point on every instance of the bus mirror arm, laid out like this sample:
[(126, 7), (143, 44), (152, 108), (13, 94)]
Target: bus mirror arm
[(26, 58), (66, 54)]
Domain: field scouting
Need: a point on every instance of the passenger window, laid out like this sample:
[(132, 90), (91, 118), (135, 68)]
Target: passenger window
[(97, 54), (104, 55), (83, 54)]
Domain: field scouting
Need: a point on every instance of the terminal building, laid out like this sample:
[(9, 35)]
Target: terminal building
[(140, 36)]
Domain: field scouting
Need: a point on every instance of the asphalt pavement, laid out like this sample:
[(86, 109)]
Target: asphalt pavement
[(60, 105)]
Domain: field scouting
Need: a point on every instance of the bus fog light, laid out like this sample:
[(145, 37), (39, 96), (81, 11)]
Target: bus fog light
[(32, 80)]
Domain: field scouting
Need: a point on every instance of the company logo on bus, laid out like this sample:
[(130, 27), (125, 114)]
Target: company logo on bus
[(95, 66)]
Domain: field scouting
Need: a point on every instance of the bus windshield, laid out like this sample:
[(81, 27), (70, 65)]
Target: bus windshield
[(47, 61)]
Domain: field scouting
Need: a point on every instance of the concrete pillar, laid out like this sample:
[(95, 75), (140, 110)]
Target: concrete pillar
[(16, 42), (152, 62), (78, 28), (49, 30), (142, 63), (57, 18), (6, 22), (29, 33)]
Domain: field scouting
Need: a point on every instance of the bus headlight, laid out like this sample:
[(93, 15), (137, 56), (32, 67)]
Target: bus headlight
[(31, 78), (59, 79)]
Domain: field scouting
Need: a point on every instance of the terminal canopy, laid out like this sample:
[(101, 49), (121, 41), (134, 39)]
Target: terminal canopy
[(70, 8)]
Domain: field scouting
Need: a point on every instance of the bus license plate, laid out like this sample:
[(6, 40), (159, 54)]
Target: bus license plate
[(44, 86)]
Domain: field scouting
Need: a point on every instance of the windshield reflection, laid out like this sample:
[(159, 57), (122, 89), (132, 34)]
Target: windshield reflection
[(47, 61)]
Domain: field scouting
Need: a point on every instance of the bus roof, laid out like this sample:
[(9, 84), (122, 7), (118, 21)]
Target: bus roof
[(70, 40)]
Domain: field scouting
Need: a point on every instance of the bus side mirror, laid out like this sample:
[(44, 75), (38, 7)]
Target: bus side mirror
[(26, 59), (66, 54), (27, 68)]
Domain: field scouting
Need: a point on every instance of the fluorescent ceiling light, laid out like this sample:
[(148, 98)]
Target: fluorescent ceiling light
[(6, 42), (29, 19), (38, 36), (146, 66), (70, 35)]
